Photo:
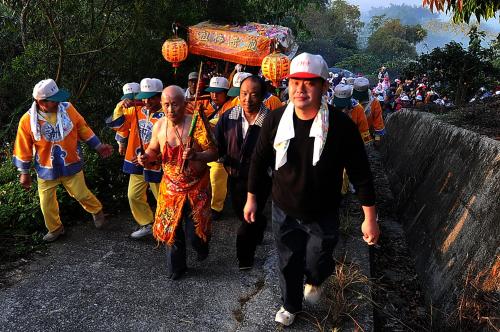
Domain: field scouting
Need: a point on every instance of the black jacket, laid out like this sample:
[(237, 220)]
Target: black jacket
[(301, 189), (234, 149)]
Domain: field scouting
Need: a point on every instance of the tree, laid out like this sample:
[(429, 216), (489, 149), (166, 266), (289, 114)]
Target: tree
[(459, 71), (409, 15), (363, 63), (93, 47), (393, 40), (391, 44), (332, 30), (281, 12), (495, 49), (377, 21), (463, 9)]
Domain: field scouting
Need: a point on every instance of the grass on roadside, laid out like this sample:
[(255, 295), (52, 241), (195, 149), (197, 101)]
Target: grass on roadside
[(342, 297), (478, 306)]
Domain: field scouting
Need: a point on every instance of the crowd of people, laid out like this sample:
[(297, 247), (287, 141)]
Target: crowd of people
[(416, 92), (193, 146), (394, 95)]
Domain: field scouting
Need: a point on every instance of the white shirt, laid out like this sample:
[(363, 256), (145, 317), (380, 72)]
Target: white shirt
[(188, 94), (244, 124)]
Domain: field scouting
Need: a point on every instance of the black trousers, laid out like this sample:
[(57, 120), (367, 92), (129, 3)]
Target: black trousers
[(304, 249), (249, 235), (176, 254)]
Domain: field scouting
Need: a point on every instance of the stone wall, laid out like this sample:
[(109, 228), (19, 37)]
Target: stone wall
[(446, 181)]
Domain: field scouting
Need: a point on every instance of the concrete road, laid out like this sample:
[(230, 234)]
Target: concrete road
[(94, 280)]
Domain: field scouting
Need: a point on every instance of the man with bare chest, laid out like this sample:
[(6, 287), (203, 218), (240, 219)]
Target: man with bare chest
[(184, 196)]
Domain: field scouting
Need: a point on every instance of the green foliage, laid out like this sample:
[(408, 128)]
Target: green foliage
[(92, 48), (495, 49), (459, 71), (364, 63), (393, 40), (377, 21), (463, 10), (21, 221), (19, 209), (105, 178), (332, 30), (391, 44)]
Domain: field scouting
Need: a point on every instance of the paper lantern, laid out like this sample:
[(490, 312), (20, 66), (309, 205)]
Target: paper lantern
[(275, 67), (175, 50)]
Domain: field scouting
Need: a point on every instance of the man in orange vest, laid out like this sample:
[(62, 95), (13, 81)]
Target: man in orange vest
[(371, 107), (51, 131), (214, 109), (342, 100), (133, 124)]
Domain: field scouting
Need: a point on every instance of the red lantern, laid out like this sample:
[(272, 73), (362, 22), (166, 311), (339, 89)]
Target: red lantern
[(275, 67), (175, 50)]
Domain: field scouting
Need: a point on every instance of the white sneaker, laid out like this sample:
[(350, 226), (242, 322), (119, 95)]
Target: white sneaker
[(312, 294), (284, 317), (142, 232)]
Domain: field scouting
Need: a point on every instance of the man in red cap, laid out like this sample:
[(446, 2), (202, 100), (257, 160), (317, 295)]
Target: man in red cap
[(308, 144)]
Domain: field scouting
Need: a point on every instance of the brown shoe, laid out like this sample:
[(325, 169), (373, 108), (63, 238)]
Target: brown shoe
[(99, 220), (52, 236)]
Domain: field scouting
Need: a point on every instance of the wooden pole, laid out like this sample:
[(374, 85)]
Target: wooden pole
[(189, 141)]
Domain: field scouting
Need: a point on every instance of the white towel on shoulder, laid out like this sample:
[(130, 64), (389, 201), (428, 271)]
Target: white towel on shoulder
[(285, 132), (35, 125)]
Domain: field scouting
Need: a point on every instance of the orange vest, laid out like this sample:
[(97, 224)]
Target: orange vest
[(126, 122), (209, 107), (374, 116), (270, 101), (357, 114), (55, 156)]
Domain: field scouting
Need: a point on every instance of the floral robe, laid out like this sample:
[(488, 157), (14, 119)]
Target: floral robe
[(176, 189)]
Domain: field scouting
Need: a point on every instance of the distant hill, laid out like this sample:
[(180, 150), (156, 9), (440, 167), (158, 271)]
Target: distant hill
[(409, 15), (440, 29)]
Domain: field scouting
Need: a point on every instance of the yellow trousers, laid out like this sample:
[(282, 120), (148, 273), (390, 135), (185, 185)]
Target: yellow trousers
[(218, 180), (76, 187), (138, 199)]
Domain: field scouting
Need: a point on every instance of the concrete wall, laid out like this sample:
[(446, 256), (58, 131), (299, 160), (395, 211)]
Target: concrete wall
[(446, 181)]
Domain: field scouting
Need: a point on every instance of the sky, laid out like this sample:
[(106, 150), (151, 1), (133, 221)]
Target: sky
[(433, 39), (365, 5)]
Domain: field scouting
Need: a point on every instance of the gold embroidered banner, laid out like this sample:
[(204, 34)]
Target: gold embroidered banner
[(246, 45)]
